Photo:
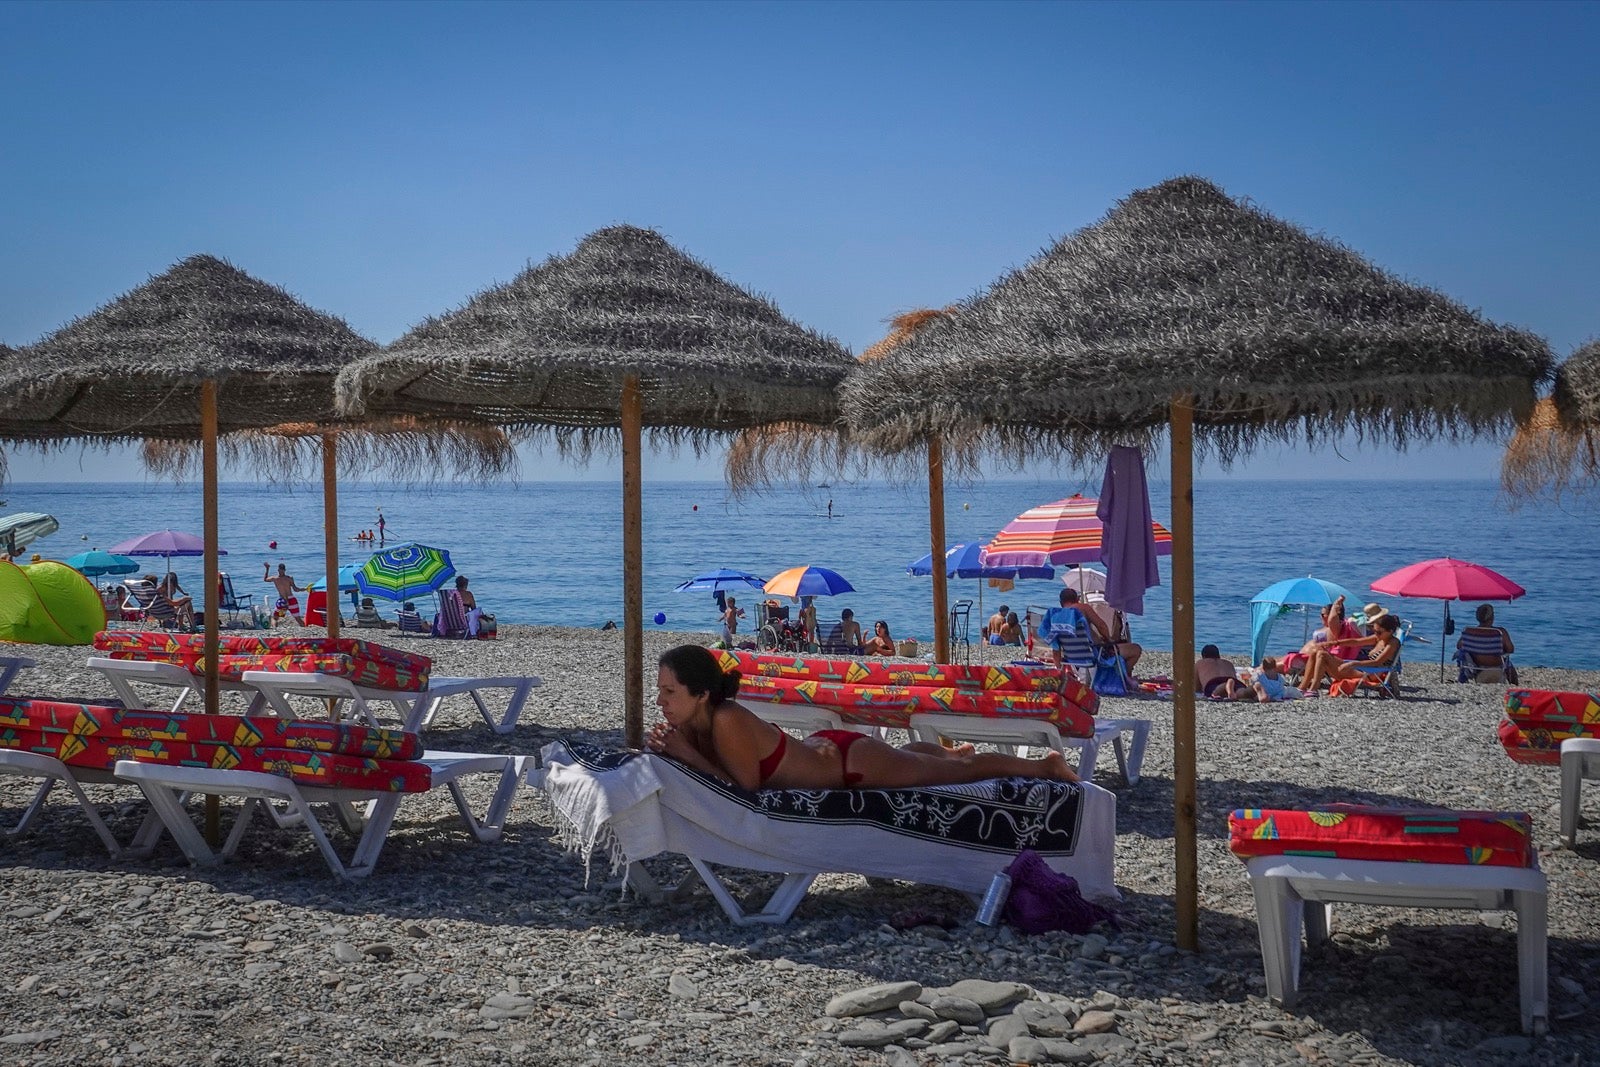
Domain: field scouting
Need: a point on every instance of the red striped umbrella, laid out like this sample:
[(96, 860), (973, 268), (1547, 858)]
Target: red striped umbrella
[(1065, 532)]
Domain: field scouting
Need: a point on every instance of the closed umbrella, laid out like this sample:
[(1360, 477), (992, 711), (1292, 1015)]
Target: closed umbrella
[(1448, 579), (1128, 545)]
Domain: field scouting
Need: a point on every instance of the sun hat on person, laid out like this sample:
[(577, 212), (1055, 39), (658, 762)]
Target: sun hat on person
[(1374, 612)]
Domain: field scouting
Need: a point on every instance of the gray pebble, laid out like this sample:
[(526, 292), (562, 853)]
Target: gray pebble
[(1005, 1027), (1024, 1049), (868, 999), (1095, 1022), (990, 996), (345, 952), (682, 987), (959, 1009)]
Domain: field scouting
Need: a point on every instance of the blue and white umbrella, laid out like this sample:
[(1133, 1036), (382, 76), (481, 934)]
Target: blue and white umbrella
[(719, 581)]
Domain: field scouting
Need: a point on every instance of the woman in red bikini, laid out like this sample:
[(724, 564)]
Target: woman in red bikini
[(708, 731)]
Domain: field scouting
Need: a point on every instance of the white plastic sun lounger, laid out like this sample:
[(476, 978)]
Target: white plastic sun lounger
[(51, 772), (632, 806), (121, 673), (166, 786), (1295, 890), (415, 709)]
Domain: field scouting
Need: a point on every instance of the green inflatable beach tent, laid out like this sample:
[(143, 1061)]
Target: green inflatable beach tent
[(48, 603)]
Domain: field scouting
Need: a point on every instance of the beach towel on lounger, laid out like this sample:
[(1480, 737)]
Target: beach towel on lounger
[(635, 806)]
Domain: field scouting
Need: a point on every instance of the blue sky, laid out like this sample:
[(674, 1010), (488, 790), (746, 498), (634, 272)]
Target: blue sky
[(386, 161)]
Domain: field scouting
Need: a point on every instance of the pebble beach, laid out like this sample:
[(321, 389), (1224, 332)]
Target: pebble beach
[(455, 952)]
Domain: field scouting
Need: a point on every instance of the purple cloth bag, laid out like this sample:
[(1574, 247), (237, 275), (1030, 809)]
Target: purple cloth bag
[(1127, 541), (1043, 899)]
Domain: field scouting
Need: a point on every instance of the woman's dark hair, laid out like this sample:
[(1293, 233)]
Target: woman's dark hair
[(1387, 622), (698, 671), (881, 623), (1011, 619), (461, 581), (1211, 652)]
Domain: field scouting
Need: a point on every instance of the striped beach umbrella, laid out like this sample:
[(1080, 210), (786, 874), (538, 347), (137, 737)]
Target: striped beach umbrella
[(1065, 532), (405, 571)]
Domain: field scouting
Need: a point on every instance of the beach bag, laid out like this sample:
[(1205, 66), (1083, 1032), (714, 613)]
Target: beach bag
[(488, 628), (1043, 899), (1108, 677)]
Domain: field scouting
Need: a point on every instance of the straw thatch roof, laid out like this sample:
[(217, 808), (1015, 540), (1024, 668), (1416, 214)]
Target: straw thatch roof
[(401, 449), (791, 453), (1181, 289), (1555, 448), (551, 349), (131, 369)]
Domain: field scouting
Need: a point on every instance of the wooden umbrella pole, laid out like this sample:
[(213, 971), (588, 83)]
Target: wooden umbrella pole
[(330, 531), (1186, 862), (213, 638), (632, 568), (941, 589)]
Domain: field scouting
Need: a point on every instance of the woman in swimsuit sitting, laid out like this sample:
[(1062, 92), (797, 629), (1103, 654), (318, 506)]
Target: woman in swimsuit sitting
[(1326, 664), (880, 643), (707, 730)]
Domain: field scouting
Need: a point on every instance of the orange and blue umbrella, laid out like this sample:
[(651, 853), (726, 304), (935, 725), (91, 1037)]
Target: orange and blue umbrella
[(808, 581), (405, 571), (1057, 534)]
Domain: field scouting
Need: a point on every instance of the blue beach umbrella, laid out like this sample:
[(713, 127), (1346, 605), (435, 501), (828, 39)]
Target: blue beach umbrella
[(719, 581), (961, 560), (1273, 601), (95, 562), (405, 571), (347, 579)]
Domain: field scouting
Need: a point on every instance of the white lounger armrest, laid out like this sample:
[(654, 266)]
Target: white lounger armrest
[(416, 709), (121, 672)]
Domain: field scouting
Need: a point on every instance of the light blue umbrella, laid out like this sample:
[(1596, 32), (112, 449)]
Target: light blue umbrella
[(1276, 599), (94, 563), (347, 578)]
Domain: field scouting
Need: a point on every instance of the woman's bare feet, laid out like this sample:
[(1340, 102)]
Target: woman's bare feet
[(1055, 766)]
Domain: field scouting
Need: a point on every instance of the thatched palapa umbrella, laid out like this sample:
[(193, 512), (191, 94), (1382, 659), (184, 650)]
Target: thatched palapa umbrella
[(1186, 311), (625, 332), (202, 349), (1555, 448)]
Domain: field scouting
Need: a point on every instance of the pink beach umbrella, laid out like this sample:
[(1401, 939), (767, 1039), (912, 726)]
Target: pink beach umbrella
[(1448, 579)]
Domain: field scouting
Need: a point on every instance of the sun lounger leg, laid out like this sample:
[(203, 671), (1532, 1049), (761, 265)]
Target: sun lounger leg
[(778, 908), (493, 824), (1279, 913), (508, 721), (1533, 962), (379, 820), (1088, 749), (166, 804), (51, 771), (1580, 758), (1130, 760)]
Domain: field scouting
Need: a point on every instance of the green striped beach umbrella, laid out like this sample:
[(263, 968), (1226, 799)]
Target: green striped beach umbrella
[(405, 571)]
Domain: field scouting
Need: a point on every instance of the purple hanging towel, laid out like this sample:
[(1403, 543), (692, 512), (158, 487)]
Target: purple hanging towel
[(1128, 543)]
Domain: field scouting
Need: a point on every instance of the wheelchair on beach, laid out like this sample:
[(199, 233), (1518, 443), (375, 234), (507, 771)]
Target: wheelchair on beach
[(778, 634)]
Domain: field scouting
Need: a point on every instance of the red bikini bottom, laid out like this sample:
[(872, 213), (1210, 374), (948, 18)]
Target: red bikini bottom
[(842, 740)]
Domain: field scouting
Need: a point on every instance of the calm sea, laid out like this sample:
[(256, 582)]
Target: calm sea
[(549, 553)]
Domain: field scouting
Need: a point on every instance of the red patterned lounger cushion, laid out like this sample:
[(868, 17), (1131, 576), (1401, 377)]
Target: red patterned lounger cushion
[(363, 662), (974, 678), (1538, 720), (96, 720), (304, 767), (1353, 832), (893, 705)]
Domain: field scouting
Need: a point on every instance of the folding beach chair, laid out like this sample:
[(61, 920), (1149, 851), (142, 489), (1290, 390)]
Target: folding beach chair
[(154, 607), (1482, 657), (232, 602), (452, 618)]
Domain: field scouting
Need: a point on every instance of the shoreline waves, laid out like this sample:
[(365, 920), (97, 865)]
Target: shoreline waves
[(453, 952)]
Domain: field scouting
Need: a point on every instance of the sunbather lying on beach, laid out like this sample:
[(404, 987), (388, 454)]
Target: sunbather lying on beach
[(1325, 665), (707, 730), (1218, 678)]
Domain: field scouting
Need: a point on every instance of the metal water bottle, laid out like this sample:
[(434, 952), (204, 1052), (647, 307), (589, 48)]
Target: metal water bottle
[(994, 899)]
